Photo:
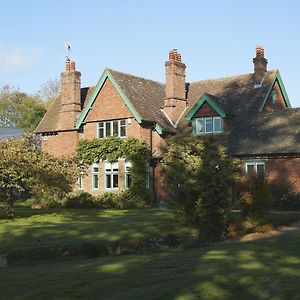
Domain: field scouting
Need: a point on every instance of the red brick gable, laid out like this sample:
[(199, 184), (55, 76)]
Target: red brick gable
[(278, 104), (108, 105), (206, 111)]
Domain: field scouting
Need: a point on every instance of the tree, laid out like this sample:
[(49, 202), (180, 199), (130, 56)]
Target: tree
[(18, 109), (49, 91), (198, 175), (24, 167)]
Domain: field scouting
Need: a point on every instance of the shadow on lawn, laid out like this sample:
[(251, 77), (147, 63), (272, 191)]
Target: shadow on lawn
[(265, 269)]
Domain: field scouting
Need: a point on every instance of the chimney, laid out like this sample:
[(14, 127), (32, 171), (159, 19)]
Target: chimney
[(175, 101), (70, 96), (260, 65)]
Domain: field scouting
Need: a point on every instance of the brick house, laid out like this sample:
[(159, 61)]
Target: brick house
[(251, 112)]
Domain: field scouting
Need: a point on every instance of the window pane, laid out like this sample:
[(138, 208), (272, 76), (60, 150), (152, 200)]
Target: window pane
[(217, 124), (95, 169), (107, 166), (100, 130), (108, 129), (108, 181), (199, 125), (122, 128), (250, 169), (208, 125), (115, 128), (95, 181), (115, 180), (115, 166), (260, 169)]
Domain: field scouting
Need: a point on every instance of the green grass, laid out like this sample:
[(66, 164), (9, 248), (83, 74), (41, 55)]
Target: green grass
[(264, 269), (46, 227), (33, 228)]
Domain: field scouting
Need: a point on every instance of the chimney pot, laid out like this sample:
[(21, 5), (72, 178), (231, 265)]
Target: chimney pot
[(260, 52), (68, 67)]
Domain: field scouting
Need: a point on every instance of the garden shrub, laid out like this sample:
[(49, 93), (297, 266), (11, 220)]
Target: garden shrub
[(254, 196), (106, 201), (284, 197), (80, 200)]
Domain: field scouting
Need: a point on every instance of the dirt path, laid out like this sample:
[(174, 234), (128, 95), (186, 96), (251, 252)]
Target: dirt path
[(263, 235)]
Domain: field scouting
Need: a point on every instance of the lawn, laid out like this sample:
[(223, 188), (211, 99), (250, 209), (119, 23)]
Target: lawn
[(47, 228), (35, 228), (263, 269)]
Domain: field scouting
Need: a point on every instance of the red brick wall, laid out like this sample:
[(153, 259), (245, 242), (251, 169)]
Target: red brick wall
[(280, 104), (108, 105), (280, 170), (62, 144), (206, 111)]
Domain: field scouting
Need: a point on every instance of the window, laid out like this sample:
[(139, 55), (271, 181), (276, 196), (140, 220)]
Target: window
[(95, 177), (111, 175), (80, 177), (128, 166), (111, 128), (208, 125), (255, 167)]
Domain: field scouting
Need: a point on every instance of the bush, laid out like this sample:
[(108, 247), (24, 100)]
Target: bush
[(254, 196), (81, 200), (284, 198), (106, 201)]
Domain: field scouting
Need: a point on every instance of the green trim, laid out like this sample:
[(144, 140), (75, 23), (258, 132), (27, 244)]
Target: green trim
[(92, 99), (204, 98), (282, 89), (158, 128)]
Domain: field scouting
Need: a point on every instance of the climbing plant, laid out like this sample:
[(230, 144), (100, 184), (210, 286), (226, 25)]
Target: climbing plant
[(131, 149)]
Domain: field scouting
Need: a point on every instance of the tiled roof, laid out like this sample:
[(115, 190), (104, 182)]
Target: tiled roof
[(9, 132), (234, 95), (50, 121), (147, 97), (276, 132)]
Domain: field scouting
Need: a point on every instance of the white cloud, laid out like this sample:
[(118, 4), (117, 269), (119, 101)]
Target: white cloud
[(13, 60)]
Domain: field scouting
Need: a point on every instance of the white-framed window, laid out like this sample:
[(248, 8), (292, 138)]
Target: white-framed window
[(111, 128), (255, 167), (95, 176), (127, 169), (208, 125), (111, 175), (80, 179)]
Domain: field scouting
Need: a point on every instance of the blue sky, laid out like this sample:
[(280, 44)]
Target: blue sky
[(216, 38)]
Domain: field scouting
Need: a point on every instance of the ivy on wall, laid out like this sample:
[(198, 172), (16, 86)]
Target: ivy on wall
[(112, 148)]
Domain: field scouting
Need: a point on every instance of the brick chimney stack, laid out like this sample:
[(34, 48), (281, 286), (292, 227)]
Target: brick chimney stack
[(260, 65), (70, 96), (175, 101)]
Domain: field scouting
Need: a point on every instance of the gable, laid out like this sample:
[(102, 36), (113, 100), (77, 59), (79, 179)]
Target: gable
[(108, 105), (106, 75), (204, 106), (206, 110), (276, 89)]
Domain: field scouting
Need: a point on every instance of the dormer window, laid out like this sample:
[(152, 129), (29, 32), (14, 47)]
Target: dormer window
[(208, 125), (111, 128)]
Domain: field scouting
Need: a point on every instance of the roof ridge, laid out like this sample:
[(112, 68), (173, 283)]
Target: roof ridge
[(128, 74), (230, 77)]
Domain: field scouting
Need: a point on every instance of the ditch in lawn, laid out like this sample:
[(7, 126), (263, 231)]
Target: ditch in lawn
[(262, 269), (50, 234)]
